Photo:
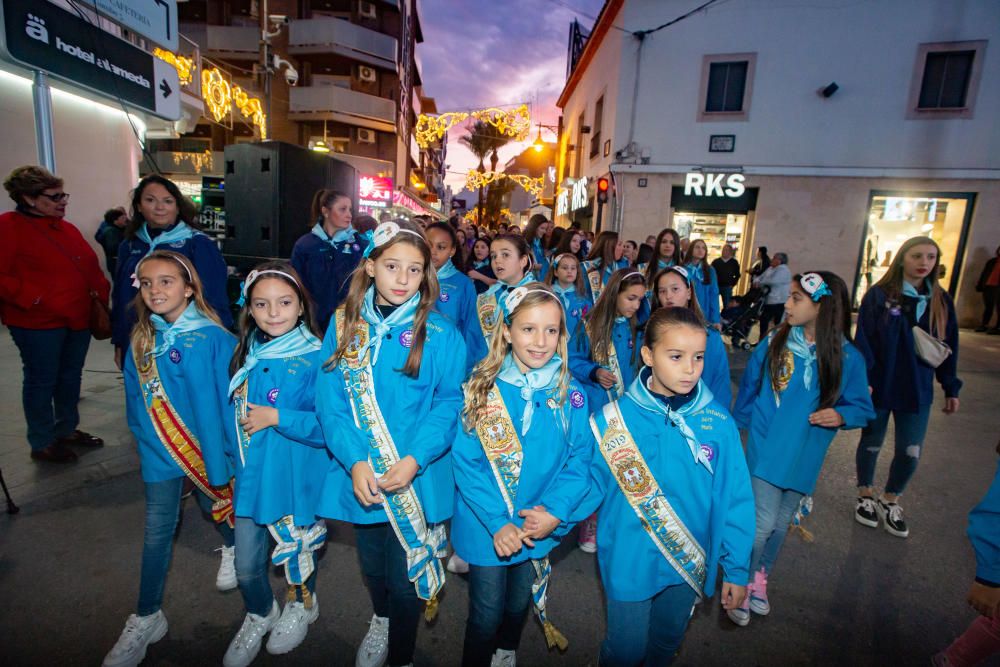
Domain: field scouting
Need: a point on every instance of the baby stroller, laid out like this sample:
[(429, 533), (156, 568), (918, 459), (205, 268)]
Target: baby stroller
[(738, 320)]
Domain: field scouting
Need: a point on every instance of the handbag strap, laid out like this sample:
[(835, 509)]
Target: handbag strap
[(74, 260)]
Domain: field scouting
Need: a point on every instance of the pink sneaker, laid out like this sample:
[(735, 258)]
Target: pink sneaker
[(758, 597), (741, 615), (587, 540)]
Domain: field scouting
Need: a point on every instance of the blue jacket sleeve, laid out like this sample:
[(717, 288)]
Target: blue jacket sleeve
[(750, 384), (572, 482), (947, 372), (336, 417), (740, 522), (436, 430), (476, 484), (135, 409), (209, 392), (866, 336), (581, 365), (298, 260), (301, 426), (597, 488), (711, 308), (211, 268), (475, 341), (984, 533), (855, 402), (122, 293), (717, 377)]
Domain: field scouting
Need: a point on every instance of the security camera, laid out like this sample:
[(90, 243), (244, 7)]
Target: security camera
[(278, 19), (292, 76)]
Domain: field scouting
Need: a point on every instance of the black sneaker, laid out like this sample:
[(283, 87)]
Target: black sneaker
[(865, 513), (892, 515)]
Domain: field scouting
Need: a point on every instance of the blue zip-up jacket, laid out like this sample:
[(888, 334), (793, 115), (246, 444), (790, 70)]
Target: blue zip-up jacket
[(194, 374), (583, 366), (708, 294), (326, 270), (207, 260), (715, 504), (555, 472), (286, 464), (540, 258), (421, 414), (576, 306), (984, 533), (784, 448), (457, 302), (899, 379), (716, 372)]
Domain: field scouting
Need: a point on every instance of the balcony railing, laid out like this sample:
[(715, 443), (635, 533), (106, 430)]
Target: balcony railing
[(335, 103), (224, 40), (330, 35)]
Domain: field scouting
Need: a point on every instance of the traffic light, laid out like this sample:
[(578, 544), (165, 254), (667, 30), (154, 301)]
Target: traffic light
[(602, 189)]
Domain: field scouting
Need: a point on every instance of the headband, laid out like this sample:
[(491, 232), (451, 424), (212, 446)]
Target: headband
[(252, 278), (630, 274), (384, 233), (135, 274), (682, 272), (555, 261), (814, 286), (514, 298)]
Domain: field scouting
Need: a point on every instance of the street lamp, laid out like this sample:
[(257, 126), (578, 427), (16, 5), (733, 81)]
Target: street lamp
[(538, 144)]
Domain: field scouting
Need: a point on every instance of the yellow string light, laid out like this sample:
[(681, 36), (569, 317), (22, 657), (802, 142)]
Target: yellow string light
[(184, 66), (200, 161), (251, 108), (217, 92), (476, 179), (515, 123), (431, 128)]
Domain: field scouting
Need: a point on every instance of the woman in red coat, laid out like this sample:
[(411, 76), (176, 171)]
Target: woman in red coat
[(47, 271)]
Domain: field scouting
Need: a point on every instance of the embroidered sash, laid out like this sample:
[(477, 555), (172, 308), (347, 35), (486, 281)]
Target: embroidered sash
[(502, 447), (616, 391), (424, 544), (294, 545), (487, 312), (177, 438), (643, 493), (596, 284)]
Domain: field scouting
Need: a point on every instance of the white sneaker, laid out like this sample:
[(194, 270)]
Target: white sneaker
[(225, 580), (291, 628), (246, 644), (504, 658), (374, 649), (457, 565), (139, 632)]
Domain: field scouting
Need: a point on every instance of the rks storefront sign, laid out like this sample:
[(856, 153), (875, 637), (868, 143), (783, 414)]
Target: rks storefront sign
[(40, 35)]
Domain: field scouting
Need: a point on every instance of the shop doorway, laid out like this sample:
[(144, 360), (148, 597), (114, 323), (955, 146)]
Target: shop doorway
[(718, 229), (894, 217)]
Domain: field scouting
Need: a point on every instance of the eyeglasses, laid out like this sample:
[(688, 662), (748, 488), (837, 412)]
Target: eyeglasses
[(58, 197)]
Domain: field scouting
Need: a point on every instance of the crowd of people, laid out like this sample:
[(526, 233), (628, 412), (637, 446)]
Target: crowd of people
[(471, 395)]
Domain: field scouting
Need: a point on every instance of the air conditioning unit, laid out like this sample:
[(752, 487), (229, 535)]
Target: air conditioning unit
[(367, 74), (366, 136), (367, 10)]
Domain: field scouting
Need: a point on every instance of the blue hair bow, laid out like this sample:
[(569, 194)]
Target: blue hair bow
[(370, 237), (815, 286), (243, 294)]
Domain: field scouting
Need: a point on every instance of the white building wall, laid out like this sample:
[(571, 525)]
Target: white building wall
[(97, 154)]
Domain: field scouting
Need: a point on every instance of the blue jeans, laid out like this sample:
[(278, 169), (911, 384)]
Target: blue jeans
[(499, 601), (911, 427), (650, 630), (53, 366), (163, 504), (775, 508), (252, 543), (383, 564)]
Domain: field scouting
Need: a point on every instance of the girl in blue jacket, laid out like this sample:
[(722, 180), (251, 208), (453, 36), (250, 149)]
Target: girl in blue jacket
[(163, 218), (521, 466), (566, 280), (704, 281), (675, 499), (666, 253), (457, 300), (388, 404), (326, 256), (604, 259), (534, 233), (908, 297), (673, 290), (510, 259), (277, 447), (807, 381), (175, 392)]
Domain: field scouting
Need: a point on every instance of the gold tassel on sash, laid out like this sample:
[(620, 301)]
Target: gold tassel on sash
[(431, 609), (554, 638)]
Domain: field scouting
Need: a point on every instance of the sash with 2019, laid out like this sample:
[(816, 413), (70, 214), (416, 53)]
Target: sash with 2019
[(424, 544), (487, 312), (503, 451), (658, 518), (180, 443)]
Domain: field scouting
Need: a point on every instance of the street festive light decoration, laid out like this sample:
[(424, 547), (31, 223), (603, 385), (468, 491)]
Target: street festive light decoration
[(184, 66), (217, 92), (515, 123), (477, 179), (251, 109)]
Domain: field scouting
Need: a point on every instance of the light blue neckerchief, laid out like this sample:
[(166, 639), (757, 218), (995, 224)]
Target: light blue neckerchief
[(481, 264), (191, 319), (620, 319), (403, 315), (341, 236), (502, 287), (181, 232), (447, 270), (294, 343), (694, 273), (644, 398), (664, 264), (563, 293), (536, 379), (922, 299), (804, 350)]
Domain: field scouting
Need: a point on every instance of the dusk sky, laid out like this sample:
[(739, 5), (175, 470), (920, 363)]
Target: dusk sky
[(479, 53)]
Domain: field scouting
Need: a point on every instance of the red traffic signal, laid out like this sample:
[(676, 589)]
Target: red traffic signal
[(603, 184)]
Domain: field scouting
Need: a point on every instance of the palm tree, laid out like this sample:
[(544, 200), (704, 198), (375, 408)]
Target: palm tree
[(484, 139)]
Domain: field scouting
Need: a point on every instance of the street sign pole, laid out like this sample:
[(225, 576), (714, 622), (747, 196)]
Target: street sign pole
[(42, 97)]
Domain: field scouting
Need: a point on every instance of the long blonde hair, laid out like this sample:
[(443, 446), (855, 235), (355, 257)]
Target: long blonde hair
[(143, 336), (892, 283), (361, 281), (485, 373)]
